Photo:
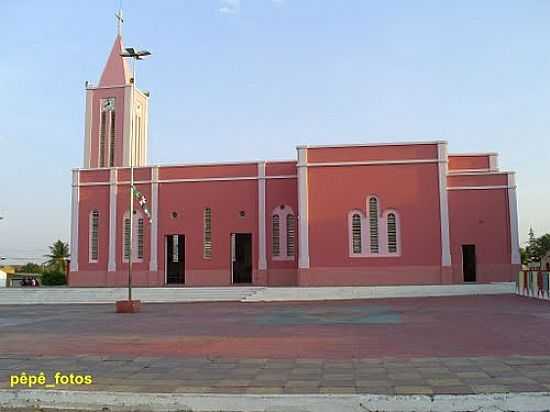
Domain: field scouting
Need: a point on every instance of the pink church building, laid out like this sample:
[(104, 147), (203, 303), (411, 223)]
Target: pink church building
[(362, 214)]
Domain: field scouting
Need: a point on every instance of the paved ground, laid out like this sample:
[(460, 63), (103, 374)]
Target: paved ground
[(461, 344)]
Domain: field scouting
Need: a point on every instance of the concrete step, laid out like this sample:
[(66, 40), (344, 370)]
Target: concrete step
[(378, 292), (45, 295)]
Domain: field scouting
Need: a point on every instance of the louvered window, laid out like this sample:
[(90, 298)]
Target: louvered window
[(140, 238), (357, 243), (102, 131), (127, 238), (276, 235), (392, 233), (290, 235), (94, 236), (373, 224), (207, 246), (112, 138)]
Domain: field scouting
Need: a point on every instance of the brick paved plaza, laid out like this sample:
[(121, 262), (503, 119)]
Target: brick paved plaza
[(473, 344)]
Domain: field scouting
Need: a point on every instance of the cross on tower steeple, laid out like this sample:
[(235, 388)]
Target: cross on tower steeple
[(120, 20)]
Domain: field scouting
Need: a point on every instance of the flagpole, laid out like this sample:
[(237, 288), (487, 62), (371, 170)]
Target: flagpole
[(131, 306), (131, 242)]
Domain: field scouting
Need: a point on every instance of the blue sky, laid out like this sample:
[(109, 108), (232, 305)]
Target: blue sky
[(252, 79)]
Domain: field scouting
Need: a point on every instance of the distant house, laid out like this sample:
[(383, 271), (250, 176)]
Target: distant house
[(3, 279), (545, 261)]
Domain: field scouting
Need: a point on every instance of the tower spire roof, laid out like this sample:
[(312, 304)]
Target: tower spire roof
[(116, 71)]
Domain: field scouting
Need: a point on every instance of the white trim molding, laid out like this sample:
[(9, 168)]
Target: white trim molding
[(493, 162), (303, 216), (513, 215), (369, 162), (153, 261), (126, 128), (473, 172), (262, 244), (473, 154), (434, 142), (444, 205), (75, 220), (205, 179), (88, 129), (111, 266), (480, 187)]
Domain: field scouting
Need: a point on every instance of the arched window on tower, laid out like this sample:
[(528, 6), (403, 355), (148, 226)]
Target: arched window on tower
[(94, 236), (106, 156), (102, 132), (112, 134), (373, 225)]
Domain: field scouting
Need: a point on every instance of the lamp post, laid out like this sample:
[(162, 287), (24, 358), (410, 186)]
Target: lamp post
[(133, 54)]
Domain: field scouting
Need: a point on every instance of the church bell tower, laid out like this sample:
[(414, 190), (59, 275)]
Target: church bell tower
[(117, 115)]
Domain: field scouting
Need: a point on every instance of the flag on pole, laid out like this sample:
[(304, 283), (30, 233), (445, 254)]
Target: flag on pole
[(142, 200)]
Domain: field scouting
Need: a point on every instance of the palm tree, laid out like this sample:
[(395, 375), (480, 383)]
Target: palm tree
[(59, 252)]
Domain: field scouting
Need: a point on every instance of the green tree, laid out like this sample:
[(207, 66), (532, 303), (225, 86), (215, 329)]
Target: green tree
[(59, 252), (524, 256), (536, 247)]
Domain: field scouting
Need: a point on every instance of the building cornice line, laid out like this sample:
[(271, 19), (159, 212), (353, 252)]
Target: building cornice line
[(434, 142), (371, 162), (481, 187), (480, 173), (190, 180)]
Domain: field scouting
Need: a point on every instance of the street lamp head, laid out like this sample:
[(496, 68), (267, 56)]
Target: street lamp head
[(135, 54)]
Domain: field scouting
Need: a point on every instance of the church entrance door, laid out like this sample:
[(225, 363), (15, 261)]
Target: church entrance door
[(175, 259), (241, 257)]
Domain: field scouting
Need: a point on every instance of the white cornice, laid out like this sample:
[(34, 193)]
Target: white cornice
[(371, 162), (480, 154), (479, 173), (481, 187), (371, 144)]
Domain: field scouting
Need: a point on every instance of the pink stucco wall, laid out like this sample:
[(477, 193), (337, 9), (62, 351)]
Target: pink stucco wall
[(480, 217), (226, 199), (411, 189), (469, 162)]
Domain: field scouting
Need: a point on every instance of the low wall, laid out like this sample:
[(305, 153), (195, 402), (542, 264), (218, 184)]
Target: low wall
[(533, 283)]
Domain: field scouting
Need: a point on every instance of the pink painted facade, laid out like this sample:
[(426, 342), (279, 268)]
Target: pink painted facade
[(373, 214)]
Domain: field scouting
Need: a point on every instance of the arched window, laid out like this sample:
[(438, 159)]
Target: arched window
[(283, 233), (112, 138), (290, 235), (94, 236), (373, 225), (356, 235), (391, 222), (138, 237), (276, 235), (207, 235), (126, 238), (102, 132)]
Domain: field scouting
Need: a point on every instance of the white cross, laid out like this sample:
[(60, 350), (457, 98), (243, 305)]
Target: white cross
[(120, 20)]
